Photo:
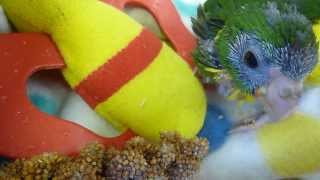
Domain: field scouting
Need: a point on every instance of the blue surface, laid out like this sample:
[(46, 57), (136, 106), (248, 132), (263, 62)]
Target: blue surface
[(216, 127), (44, 103), (185, 9)]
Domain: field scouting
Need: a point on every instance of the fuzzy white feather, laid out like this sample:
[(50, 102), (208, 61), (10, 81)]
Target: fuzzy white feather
[(239, 159), (310, 102), (77, 111)]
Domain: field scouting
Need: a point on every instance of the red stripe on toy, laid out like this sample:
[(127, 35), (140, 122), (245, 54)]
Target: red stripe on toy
[(109, 78)]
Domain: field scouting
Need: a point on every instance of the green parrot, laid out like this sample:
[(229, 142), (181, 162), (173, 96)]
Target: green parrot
[(258, 52)]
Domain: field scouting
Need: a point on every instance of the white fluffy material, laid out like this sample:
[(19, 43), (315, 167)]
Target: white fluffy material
[(77, 111), (310, 102), (4, 24), (312, 176), (239, 159)]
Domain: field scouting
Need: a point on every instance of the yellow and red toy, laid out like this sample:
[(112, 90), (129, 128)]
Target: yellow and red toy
[(119, 68)]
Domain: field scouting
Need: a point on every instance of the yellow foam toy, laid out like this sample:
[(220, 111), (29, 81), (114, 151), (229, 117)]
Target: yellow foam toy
[(164, 96), (291, 146), (314, 77)]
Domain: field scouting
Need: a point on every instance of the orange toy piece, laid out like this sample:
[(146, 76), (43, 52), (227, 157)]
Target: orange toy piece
[(25, 131)]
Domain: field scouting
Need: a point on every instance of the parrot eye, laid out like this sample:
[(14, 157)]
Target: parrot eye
[(250, 60)]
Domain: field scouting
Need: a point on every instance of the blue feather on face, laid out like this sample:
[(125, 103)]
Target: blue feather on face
[(252, 59), (249, 60)]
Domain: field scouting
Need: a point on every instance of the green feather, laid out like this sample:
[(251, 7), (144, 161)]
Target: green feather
[(309, 8), (222, 8)]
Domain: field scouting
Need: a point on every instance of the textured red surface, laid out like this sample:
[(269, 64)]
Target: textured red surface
[(24, 130), (120, 69)]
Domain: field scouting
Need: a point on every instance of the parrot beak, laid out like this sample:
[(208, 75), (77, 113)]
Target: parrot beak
[(282, 94)]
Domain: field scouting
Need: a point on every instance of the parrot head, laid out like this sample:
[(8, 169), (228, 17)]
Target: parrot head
[(262, 47)]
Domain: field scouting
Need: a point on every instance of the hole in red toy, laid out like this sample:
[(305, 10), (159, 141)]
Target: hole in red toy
[(48, 91), (145, 18)]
